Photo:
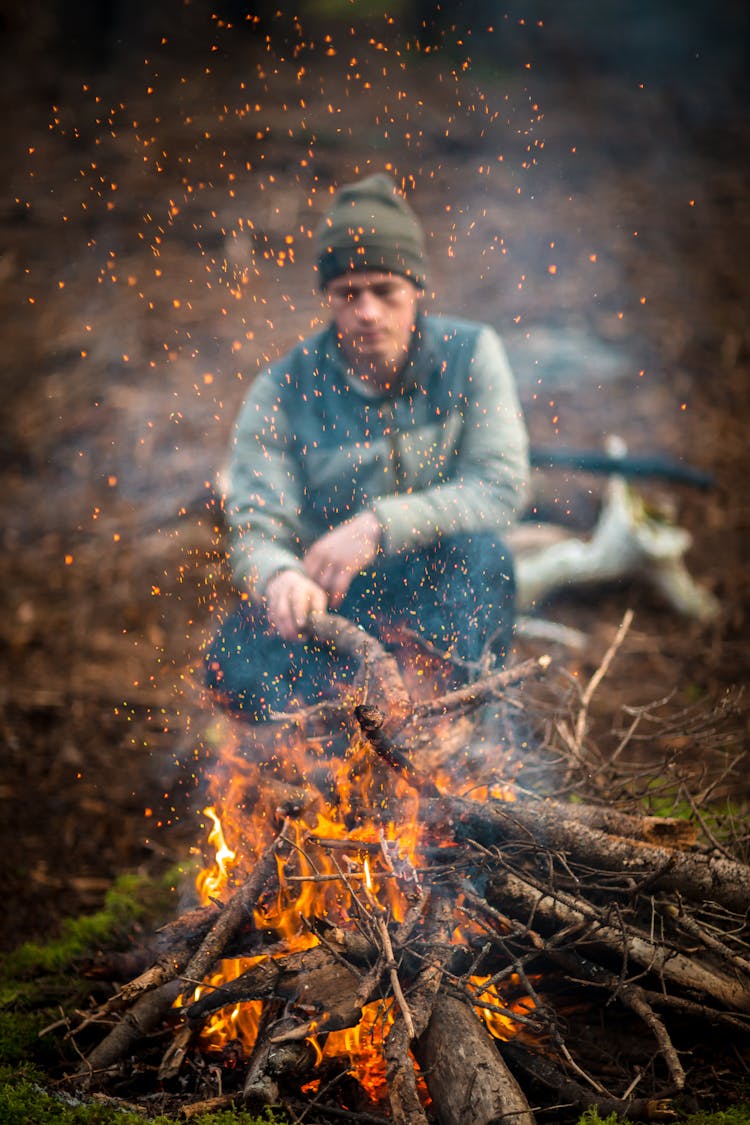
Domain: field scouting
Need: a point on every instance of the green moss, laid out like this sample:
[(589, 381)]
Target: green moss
[(130, 898), (24, 1100), (736, 1115), (663, 799), (37, 980)]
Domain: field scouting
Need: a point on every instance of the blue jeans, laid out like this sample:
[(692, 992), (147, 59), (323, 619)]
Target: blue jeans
[(457, 593)]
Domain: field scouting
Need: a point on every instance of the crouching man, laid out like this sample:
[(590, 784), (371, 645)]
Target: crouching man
[(374, 472)]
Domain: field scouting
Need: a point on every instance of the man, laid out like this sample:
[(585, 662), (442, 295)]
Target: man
[(375, 469)]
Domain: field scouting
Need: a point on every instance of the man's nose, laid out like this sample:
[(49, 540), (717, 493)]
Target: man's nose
[(368, 306)]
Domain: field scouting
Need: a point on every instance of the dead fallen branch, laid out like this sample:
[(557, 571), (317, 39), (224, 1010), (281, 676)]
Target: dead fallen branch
[(402, 1086), (695, 876), (464, 1069)]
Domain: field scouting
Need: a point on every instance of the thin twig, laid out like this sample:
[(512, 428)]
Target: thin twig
[(588, 693)]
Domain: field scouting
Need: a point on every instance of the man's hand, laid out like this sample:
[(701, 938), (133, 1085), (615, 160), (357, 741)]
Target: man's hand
[(339, 556), (290, 599)]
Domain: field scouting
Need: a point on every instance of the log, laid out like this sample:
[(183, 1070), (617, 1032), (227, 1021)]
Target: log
[(271, 1063), (664, 831), (385, 677), (313, 978), (178, 940), (554, 910), (406, 1108), (464, 1070), (145, 1015), (697, 877), (232, 915)]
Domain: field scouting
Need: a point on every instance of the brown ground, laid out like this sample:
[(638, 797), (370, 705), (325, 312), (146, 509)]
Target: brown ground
[(598, 220)]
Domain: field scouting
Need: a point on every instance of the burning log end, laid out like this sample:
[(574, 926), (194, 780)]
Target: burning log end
[(369, 718), (270, 1064), (371, 721)]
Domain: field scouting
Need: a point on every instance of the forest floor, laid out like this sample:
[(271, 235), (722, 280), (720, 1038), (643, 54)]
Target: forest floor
[(155, 252)]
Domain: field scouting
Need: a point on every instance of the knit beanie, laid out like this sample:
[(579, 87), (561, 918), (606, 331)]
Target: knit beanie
[(370, 226)]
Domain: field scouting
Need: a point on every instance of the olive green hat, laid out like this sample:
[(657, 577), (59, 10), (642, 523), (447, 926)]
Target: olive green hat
[(370, 226)]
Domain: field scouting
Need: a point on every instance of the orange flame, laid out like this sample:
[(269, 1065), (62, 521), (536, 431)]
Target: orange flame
[(348, 852), (211, 881), (500, 1025)]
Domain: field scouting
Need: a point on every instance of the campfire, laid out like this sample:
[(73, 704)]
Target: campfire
[(393, 928)]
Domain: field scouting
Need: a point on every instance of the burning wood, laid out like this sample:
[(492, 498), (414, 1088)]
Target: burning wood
[(398, 942)]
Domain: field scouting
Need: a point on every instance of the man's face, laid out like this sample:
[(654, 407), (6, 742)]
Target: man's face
[(375, 314)]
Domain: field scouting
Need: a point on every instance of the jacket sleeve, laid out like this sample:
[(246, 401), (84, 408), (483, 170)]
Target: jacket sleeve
[(264, 502), (489, 488)]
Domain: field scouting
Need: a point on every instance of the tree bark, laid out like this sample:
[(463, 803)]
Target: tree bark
[(145, 1015), (555, 910), (465, 1073), (697, 877), (406, 1107)]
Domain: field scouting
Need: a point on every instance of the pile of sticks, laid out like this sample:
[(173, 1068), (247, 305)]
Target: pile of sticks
[(547, 956)]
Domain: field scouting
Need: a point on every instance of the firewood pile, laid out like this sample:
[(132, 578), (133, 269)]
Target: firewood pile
[(402, 931)]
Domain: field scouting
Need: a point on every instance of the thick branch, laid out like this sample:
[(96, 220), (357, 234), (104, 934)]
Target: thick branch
[(348, 638), (553, 910), (402, 1087), (233, 914), (465, 1072), (313, 978), (698, 877), (145, 1015)]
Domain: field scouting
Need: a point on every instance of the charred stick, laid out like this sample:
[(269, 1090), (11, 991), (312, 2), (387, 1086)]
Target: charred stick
[(138, 1022), (478, 692), (235, 911), (371, 720)]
